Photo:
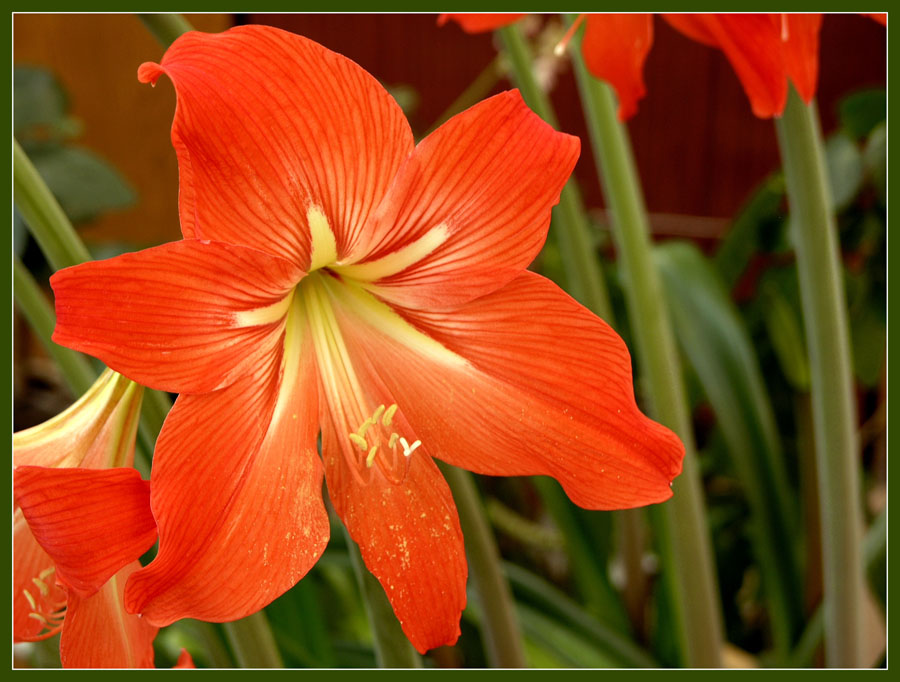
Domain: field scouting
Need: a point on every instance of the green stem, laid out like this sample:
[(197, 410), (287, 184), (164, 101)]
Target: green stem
[(805, 651), (76, 370), (166, 27), (45, 218), (682, 531), (252, 642), (392, 648), (585, 280), (834, 414), (503, 639)]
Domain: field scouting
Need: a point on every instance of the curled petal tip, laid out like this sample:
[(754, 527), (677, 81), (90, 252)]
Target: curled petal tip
[(149, 72)]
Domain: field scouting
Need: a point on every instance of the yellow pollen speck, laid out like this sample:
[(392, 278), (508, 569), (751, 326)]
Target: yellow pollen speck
[(370, 458), (359, 441), (389, 415)]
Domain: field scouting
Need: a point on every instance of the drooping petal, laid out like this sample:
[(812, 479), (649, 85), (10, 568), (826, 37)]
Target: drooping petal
[(189, 316), (401, 514), (801, 52), (237, 494), (523, 381), (470, 208), (479, 23), (95, 432), (91, 522), (271, 126), (752, 44), (98, 633), (615, 47), (36, 596)]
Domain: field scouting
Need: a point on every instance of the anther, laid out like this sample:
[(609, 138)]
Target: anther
[(42, 586), (378, 412), (38, 616), (30, 599), (393, 441), (47, 572), (359, 441), (389, 415), (365, 427), (370, 458)]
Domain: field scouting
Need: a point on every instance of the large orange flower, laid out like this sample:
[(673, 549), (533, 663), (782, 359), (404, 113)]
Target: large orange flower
[(335, 277), (81, 521)]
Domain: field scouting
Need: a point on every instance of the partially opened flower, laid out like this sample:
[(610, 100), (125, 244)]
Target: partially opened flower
[(81, 521), (615, 47), (335, 277)]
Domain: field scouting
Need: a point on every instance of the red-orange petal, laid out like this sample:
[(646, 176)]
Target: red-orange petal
[(752, 44), (237, 494), (478, 193), (479, 23), (801, 52), (188, 316), (91, 522), (615, 47), (270, 124), (402, 516), (541, 387), (98, 633)]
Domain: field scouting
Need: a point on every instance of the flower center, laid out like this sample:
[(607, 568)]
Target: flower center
[(372, 439)]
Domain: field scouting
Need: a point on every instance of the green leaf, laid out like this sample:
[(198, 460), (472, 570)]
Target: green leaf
[(713, 337), (40, 106), (786, 334), (760, 216), (869, 336), (875, 159), (844, 163), (84, 184), (862, 111)]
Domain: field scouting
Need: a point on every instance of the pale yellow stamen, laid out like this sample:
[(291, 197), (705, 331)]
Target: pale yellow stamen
[(370, 458), (30, 599), (322, 242), (389, 415), (42, 586), (393, 441), (378, 412), (359, 441), (397, 260), (365, 426), (39, 617), (43, 575)]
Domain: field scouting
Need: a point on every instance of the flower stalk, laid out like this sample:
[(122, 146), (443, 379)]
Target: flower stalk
[(252, 642), (834, 415), (502, 637), (680, 523), (166, 27)]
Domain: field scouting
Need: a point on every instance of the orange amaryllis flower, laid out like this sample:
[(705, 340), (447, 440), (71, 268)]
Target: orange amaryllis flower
[(336, 277), (79, 528), (615, 47)]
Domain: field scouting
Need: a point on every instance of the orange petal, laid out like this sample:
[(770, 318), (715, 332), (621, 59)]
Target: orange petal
[(470, 208), (237, 494), (752, 44), (91, 522), (270, 125), (801, 52), (188, 316), (615, 47), (529, 383), (404, 520), (98, 633), (479, 23)]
